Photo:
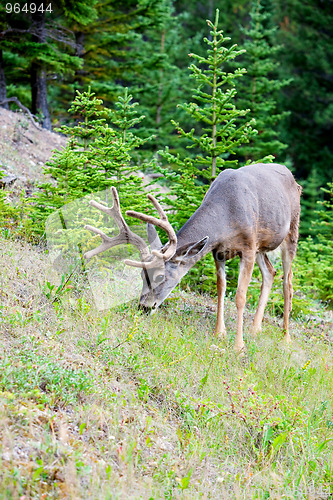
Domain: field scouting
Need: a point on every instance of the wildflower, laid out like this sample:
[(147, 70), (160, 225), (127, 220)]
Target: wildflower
[(306, 365)]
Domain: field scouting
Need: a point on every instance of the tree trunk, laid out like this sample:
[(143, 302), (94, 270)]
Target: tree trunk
[(38, 72), (39, 95), (3, 91), (79, 52)]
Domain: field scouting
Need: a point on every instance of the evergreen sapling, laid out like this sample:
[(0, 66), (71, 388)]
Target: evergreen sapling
[(96, 157), (221, 129)]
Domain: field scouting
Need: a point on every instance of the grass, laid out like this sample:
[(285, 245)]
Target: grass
[(118, 405)]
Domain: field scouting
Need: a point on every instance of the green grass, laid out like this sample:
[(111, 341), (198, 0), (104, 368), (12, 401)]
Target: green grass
[(119, 405)]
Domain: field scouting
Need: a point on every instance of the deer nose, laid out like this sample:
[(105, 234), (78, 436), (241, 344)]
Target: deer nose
[(149, 308), (144, 308)]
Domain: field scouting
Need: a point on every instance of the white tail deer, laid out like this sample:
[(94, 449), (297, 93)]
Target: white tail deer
[(246, 212)]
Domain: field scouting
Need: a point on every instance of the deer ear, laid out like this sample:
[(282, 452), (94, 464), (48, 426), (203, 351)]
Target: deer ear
[(190, 250), (153, 237)]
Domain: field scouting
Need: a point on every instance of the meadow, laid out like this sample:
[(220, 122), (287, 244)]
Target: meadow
[(121, 405)]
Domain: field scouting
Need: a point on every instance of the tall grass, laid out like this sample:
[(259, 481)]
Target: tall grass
[(121, 405)]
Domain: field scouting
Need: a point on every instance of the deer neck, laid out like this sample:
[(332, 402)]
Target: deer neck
[(200, 225)]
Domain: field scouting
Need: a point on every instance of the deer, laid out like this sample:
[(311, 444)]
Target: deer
[(246, 212)]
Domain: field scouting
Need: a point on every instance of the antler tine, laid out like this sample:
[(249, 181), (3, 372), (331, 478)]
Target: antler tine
[(157, 206), (114, 211), (147, 265), (125, 235), (163, 223), (105, 245)]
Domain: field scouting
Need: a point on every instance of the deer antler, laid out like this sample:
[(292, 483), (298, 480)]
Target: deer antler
[(127, 236), (163, 223)]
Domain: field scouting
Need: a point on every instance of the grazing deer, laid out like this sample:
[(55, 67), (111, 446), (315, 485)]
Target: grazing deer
[(246, 212)]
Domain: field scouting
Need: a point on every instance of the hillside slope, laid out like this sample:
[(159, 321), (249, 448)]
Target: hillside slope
[(24, 148), (116, 404), (120, 405)]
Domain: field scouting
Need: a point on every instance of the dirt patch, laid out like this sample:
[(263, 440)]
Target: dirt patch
[(24, 148)]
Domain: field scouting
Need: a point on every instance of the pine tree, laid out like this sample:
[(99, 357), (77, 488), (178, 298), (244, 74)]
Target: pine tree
[(221, 129), (224, 127), (196, 12), (306, 32), (161, 82), (78, 16), (34, 50), (315, 256), (97, 156), (15, 82), (110, 40), (310, 196), (259, 89), (107, 44)]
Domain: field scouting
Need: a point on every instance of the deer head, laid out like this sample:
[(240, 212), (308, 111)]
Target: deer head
[(159, 283), (164, 266)]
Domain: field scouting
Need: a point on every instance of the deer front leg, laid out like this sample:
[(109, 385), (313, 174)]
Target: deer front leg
[(245, 273), (268, 272), (221, 284)]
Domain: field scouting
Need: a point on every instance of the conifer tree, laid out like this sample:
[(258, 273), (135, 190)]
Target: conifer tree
[(162, 81), (306, 32), (14, 82), (34, 49), (108, 44), (221, 129), (78, 16), (259, 89), (97, 156), (224, 127), (310, 196), (315, 256)]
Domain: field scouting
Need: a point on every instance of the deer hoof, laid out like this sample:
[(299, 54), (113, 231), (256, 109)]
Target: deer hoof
[(221, 335), (240, 349)]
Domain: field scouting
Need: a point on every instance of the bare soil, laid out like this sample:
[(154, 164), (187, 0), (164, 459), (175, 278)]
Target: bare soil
[(25, 148)]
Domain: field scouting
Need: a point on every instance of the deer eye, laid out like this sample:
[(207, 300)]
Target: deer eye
[(159, 278)]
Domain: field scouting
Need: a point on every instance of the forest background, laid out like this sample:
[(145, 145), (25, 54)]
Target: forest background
[(50, 51), (114, 403)]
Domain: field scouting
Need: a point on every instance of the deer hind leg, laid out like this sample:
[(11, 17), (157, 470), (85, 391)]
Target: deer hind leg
[(287, 253), (268, 272), (221, 284), (245, 273)]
